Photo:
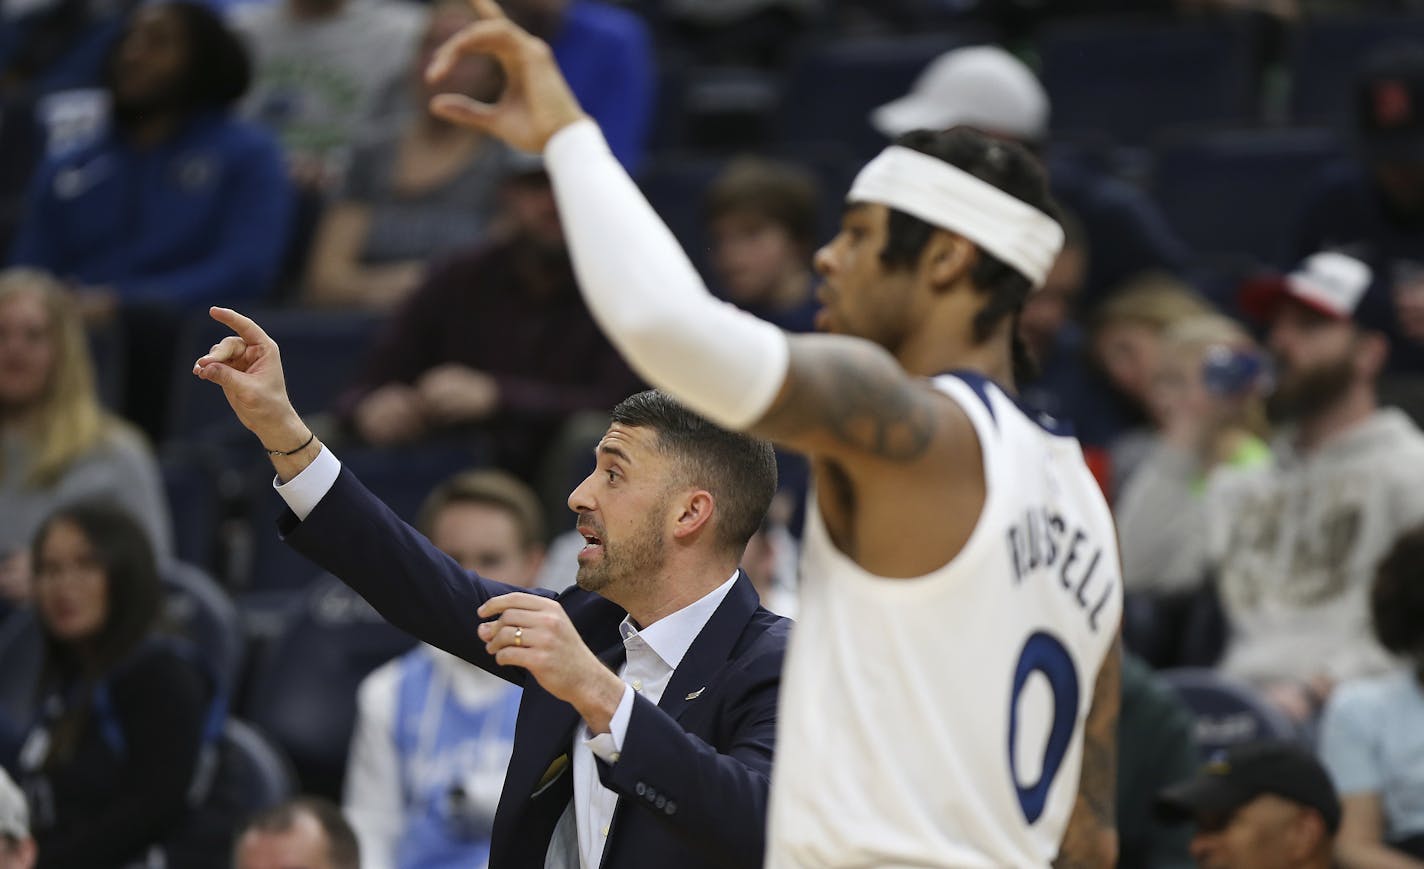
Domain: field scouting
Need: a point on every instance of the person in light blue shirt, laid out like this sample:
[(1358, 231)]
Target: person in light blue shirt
[(178, 204), (1372, 734), (434, 733)]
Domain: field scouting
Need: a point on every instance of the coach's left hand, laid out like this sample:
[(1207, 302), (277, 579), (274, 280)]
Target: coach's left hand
[(535, 633)]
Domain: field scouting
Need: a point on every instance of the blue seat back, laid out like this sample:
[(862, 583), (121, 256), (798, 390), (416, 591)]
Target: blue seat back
[(203, 613), (1227, 712), (1239, 191), (304, 694), (1326, 55), (1131, 79)]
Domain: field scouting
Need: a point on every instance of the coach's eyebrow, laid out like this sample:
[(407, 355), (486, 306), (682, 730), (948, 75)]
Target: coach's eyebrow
[(613, 451)]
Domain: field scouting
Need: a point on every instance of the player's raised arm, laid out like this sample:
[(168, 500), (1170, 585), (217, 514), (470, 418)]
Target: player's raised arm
[(648, 298)]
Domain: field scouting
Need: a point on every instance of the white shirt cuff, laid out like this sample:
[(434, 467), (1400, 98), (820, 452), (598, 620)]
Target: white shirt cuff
[(608, 746), (304, 491)]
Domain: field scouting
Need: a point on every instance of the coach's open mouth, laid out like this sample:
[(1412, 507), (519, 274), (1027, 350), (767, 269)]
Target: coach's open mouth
[(591, 543)]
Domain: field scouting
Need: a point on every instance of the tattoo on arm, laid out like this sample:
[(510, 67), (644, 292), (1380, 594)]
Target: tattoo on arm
[(1091, 838), (849, 396)]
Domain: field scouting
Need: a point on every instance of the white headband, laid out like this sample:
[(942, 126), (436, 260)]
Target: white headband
[(950, 198)]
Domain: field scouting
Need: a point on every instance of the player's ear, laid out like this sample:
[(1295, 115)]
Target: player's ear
[(948, 258)]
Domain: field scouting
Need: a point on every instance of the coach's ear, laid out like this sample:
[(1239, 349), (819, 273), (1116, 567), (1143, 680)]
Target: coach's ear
[(693, 512), (948, 257)]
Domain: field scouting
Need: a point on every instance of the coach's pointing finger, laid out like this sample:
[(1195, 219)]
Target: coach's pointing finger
[(248, 367)]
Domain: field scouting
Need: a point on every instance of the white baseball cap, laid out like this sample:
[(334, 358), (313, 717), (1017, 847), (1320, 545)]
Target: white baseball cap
[(982, 86), (14, 813)]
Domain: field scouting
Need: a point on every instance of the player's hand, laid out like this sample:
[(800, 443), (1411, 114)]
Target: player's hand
[(248, 367), (457, 393), (390, 415), (535, 633), (536, 102)]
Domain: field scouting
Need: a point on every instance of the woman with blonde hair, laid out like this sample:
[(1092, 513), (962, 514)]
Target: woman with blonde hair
[(57, 444), (1207, 398)]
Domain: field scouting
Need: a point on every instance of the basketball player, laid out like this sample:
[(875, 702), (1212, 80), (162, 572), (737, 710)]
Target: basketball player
[(951, 691)]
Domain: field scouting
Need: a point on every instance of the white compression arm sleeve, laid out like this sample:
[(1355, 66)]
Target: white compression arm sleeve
[(721, 362)]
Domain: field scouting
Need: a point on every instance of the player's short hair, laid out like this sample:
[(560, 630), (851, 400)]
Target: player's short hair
[(491, 487), (738, 469), (1397, 598), (342, 847), (782, 194), (1011, 168)]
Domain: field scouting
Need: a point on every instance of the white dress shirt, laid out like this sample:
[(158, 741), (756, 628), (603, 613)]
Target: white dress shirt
[(653, 654)]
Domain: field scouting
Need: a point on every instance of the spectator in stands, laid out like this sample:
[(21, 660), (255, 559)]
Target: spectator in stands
[(17, 846), (606, 55), (1374, 207), (989, 89), (1156, 748), (325, 73), (435, 733), (761, 221), (1263, 805), (57, 444), (1208, 404), (1295, 542), (56, 45), (413, 193), (1370, 736), (497, 338), (1126, 343), (1064, 385), (109, 766), (307, 832), (179, 205)]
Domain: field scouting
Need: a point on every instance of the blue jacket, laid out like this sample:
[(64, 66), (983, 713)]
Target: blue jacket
[(606, 54), (202, 218), (694, 774)]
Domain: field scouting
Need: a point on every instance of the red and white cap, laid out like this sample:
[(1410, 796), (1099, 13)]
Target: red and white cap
[(1332, 283)]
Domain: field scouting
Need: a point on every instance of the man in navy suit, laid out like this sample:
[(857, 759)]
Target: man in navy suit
[(646, 730)]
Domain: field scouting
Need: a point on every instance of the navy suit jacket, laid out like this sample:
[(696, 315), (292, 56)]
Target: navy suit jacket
[(694, 771)]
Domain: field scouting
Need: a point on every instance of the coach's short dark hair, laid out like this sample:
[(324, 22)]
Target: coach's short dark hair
[(342, 848), (780, 193), (1011, 168), (738, 469), (1397, 598)]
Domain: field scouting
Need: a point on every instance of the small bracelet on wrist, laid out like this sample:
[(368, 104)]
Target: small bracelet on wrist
[(291, 452)]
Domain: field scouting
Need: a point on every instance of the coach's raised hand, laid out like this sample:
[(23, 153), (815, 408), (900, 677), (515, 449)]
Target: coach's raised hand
[(248, 367), (536, 102)]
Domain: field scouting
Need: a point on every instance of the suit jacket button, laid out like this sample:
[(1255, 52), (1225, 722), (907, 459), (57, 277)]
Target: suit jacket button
[(640, 789), (660, 802), (670, 808)]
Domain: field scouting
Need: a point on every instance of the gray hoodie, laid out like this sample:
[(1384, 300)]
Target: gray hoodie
[(1296, 543)]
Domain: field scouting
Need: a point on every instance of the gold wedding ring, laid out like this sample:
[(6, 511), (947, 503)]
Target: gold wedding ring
[(518, 636)]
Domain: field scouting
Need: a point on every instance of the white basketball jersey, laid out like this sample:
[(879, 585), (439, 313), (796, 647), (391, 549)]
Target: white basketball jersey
[(938, 721)]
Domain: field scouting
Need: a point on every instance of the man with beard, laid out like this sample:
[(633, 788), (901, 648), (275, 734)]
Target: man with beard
[(645, 730), (1296, 541), (495, 342)]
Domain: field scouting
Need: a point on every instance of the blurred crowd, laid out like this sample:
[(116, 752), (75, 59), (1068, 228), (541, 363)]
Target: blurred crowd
[(1235, 331)]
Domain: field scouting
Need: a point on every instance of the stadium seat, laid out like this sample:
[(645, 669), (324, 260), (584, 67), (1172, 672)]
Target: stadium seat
[(304, 693), (318, 350), (833, 86), (1325, 56), (251, 775), (201, 611), (1130, 79), (196, 481), (401, 478), (1240, 191), (21, 648), (109, 352), (1227, 712)]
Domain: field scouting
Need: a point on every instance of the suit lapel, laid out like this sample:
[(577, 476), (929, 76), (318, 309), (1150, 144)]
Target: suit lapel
[(711, 649)]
